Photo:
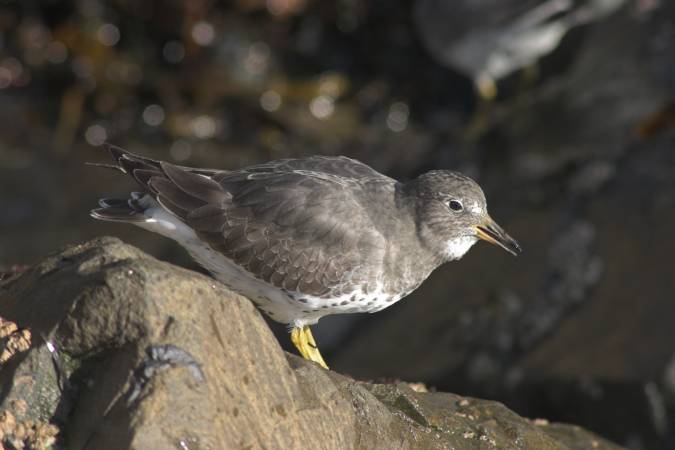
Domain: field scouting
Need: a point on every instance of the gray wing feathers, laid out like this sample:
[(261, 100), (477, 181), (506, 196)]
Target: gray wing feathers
[(299, 229), (298, 233), (193, 184)]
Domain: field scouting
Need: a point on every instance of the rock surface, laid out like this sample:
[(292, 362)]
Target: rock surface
[(131, 352)]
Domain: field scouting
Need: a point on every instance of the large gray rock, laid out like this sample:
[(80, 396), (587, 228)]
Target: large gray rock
[(146, 355)]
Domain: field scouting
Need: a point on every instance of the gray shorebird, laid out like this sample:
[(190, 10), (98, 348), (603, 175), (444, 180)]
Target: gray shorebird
[(305, 238)]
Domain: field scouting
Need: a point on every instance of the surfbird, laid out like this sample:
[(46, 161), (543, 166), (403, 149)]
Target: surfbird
[(308, 237)]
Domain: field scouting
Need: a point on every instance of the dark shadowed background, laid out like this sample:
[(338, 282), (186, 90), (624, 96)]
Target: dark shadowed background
[(563, 110)]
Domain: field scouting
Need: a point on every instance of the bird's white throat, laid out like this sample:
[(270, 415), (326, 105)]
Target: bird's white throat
[(456, 248)]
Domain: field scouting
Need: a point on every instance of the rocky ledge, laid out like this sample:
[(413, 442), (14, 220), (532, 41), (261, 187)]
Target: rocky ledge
[(114, 349)]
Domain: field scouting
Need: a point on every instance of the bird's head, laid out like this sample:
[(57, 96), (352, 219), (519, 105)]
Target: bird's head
[(452, 215)]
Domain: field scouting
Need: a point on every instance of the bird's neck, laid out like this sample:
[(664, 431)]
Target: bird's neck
[(456, 248), (407, 258)]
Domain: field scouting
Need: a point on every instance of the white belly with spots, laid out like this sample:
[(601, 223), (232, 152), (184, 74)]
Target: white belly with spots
[(288, 307)]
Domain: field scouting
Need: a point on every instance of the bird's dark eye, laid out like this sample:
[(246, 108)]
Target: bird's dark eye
[(455, 205)]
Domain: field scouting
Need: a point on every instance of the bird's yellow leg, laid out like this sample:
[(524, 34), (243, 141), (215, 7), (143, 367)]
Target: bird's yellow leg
[(312, 348), (297, 337), (304, 341), (486, 87)]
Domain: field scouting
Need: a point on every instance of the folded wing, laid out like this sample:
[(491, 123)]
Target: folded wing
[(299, 229)]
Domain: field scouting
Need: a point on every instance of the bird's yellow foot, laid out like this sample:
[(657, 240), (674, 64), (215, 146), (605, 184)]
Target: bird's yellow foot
[(486, 87), (304, 341)]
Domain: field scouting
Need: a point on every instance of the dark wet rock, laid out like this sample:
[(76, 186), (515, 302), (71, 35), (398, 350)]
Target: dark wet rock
[(593, 333), (9, 272), (569, 134), (621, 339), (586, 154), (573, 269), (638, 414), (153, 356)]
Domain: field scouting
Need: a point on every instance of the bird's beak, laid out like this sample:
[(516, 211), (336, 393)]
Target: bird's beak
[(494, 234)]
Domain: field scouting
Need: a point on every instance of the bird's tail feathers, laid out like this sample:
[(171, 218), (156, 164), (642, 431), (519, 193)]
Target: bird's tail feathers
[(179, 190), (120, 209)]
